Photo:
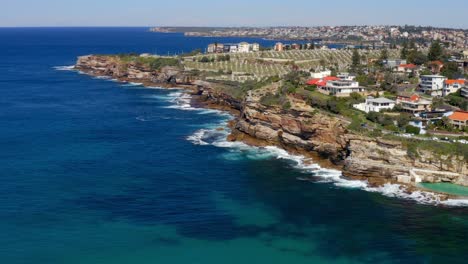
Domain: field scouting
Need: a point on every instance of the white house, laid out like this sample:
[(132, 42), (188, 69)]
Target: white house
[(346, 76), (375, 104), (464, 92), (432, 85), (452, 86), (233, 48), (255, 47), (320, 75), (341, 88), (244, 47)]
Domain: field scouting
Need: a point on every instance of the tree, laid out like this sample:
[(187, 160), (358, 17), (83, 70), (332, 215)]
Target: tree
[(356, 59), (383, 54), (435, 51), (412, 130), (403, 119), (416, 57), (450, 70), (404, 51), (204, 59)]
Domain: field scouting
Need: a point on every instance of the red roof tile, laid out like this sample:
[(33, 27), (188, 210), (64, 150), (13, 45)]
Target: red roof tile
[(459, 116), (449, 82)]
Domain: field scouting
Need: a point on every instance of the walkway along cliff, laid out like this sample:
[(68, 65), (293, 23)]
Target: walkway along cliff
[(301, 129)]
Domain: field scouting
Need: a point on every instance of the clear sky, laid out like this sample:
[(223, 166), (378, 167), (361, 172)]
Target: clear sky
[(450, 13)]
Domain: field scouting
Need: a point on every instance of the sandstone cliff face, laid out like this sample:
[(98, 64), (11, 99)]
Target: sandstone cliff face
[(112, 67), (304, 130), (359, 156)]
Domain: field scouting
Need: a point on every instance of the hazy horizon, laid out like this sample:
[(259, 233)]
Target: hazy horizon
[(242, 13)]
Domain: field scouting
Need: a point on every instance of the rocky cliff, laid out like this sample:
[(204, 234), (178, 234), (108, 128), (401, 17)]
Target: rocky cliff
[(376, 159), (303, 129), (132, 71)]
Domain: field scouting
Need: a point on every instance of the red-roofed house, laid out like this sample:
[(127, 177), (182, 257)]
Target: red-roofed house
[(459, 119), (452, 86), (322, 81), (408, 68), (412, 103)]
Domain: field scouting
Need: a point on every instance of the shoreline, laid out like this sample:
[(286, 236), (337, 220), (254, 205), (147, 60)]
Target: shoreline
[(371, 184)]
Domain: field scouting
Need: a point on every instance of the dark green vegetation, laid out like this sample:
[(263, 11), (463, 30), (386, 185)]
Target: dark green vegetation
[(154, 63), (456, 99)]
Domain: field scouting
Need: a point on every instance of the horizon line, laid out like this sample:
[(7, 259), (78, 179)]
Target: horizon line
[(277, 26)]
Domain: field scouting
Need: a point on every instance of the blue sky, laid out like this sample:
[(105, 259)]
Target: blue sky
[(450, 13)]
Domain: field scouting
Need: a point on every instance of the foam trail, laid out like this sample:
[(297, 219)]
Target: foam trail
[(239, 150), (131, 84), (64, 68)]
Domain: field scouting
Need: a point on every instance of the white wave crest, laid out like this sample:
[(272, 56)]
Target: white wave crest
[(131, 84), (65, 68), (239, 150)]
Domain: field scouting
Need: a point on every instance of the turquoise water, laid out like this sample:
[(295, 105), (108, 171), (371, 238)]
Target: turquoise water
[(446, 188), (94, 171)]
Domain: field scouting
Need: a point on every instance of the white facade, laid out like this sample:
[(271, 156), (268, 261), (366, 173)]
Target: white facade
[(432, 85), (243, 47), (255, 47), (342, 88), (464, 92), (320, 75), (233, 48), (452, 86), (346, 76), (375, 104)]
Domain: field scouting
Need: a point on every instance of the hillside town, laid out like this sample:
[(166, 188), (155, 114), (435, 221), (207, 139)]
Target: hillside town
[(455, 38), (428, 86)]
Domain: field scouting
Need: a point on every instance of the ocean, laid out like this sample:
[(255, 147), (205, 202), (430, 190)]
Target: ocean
[(96, 171)]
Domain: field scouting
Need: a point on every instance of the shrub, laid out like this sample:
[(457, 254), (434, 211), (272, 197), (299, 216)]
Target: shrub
[(270, 99), (412, 130)]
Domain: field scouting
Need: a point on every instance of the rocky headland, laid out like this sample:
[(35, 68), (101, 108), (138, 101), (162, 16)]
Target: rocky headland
[(301, 129)]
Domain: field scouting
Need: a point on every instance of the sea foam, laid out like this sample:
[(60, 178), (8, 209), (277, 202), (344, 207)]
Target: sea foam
[(64, 68), (240, 150)]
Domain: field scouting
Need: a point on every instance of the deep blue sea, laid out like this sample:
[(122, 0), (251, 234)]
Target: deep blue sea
[(95, 171)]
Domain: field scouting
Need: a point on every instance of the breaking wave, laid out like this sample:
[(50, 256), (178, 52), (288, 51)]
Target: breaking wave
[(216, 136), (64, 68)]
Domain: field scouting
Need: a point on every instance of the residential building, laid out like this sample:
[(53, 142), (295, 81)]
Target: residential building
[(412, 103), (459, 119), (464, 92), (452, 86), (254, 47), (215, 48), (432, 85), (320, 75), (244, 47), (465, 54), (346, 76), (296, 46), (375, 104), (233, 48), (394, 63), (319, 82), (407, 68), (341, 88)]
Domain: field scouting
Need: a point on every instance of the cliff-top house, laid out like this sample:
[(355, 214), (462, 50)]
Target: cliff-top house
[(452, 86), (459, 119), (412, 103)]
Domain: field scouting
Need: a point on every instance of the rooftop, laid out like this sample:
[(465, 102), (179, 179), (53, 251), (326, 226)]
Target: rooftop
[(380, 100), (459, 116), (461, 81)]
